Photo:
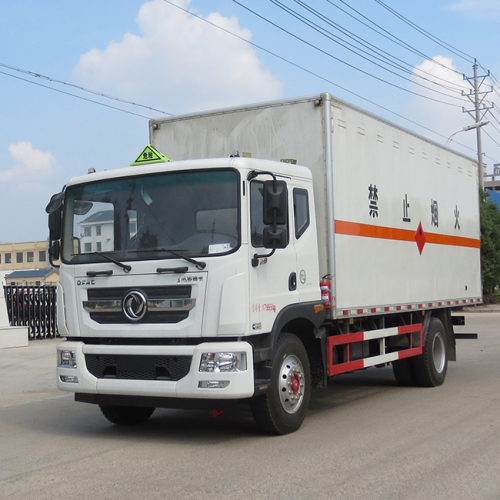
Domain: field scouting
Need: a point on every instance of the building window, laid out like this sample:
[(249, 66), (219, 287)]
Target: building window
[(98, 230), (30, 257), (88, 247), (99, 246), (87, 231), (19, 257), (8, 258), (42, 256)]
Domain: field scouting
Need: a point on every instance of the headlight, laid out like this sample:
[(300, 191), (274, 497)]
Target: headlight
[(67, 359), (223, 362)]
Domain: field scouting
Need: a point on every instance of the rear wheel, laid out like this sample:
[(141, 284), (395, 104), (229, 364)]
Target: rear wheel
[(432, 364), (126, 415), (404, 372), (283, 409)]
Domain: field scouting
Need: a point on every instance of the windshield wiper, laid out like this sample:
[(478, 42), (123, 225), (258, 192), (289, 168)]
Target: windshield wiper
[(200, 265), (125, 267)]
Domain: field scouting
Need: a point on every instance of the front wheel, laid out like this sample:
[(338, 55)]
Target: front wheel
[(431, 366), (126, 415), (283, 409)]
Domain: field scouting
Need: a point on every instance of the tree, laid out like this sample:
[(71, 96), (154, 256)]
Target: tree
[(490, 243)]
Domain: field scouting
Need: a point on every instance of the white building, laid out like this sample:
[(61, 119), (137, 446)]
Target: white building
[(97, 232)]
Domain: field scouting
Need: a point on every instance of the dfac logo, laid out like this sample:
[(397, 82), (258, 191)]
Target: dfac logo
[(135, 305)]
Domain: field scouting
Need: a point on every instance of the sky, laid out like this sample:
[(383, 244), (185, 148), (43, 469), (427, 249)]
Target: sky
[(69, 72)]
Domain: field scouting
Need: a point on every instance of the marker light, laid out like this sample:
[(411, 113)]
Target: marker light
[(71, 379), (213, 384), (223, 362)]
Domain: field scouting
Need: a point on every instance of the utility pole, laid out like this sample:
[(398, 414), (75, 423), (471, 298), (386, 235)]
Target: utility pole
[(480, 109)]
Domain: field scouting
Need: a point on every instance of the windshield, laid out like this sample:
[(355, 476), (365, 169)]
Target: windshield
[(191, 213)]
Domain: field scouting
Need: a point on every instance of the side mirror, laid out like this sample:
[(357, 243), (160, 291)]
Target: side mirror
[(55, 210), (275, 238), (55, 202), (55, 224), (82, 207), (275, 197), (54, 252), (275, 213)]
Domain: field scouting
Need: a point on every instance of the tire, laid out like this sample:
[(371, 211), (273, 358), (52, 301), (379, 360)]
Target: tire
[(404, 372), (126, 415), (283, 408), (431, 366)]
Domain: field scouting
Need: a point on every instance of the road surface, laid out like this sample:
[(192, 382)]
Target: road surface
[(364, 438)]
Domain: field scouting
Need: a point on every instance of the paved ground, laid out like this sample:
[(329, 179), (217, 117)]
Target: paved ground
[(364, 438), (491, 308)]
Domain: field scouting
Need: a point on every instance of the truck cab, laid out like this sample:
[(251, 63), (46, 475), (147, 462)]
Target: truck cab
[(177, 280)]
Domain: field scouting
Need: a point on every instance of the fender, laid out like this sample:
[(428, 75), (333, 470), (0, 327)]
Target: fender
[(314, 312), (445, 316)]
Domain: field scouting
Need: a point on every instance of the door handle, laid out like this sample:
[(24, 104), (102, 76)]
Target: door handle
[(292, 282)]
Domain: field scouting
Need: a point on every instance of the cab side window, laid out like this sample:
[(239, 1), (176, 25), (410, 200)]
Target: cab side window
[(301, 211)]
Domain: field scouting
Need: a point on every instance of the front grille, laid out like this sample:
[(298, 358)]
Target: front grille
[(113, 314), (153, 292), (138, 367), (110, 318)]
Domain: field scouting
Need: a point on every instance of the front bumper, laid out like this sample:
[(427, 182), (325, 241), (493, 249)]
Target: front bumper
[(238, 385)]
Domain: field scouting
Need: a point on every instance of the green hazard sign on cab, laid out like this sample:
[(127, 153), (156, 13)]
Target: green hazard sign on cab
[(150, 155)]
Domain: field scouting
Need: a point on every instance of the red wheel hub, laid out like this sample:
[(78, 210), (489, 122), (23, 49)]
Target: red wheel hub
[(295, 384)]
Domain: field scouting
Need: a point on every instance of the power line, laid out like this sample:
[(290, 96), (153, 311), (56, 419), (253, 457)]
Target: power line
[(107, 96), (314, 74), (435, 39), (387, 34), (94, 92), (340, 60), (73, 95), (494, 117), (369, 46), (492, 138), (444, 44), (496, 83)]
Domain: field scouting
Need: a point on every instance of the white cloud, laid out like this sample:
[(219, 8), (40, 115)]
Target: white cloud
[(483, 9), (30, 164), (444, 113), (179, 63), (448, 120)]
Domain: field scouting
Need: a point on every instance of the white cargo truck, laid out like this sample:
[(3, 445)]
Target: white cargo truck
[(333, 241)]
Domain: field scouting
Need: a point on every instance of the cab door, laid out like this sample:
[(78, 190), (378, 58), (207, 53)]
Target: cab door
[(273, 278), (305, 241)]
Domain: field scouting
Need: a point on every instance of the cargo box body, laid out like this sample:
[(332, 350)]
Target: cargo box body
[(397, 215)]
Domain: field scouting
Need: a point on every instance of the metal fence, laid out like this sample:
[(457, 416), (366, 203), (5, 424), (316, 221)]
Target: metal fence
[(34, 307)]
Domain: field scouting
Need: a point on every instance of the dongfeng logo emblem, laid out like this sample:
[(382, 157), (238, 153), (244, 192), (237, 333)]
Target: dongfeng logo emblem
[(135, 305)]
